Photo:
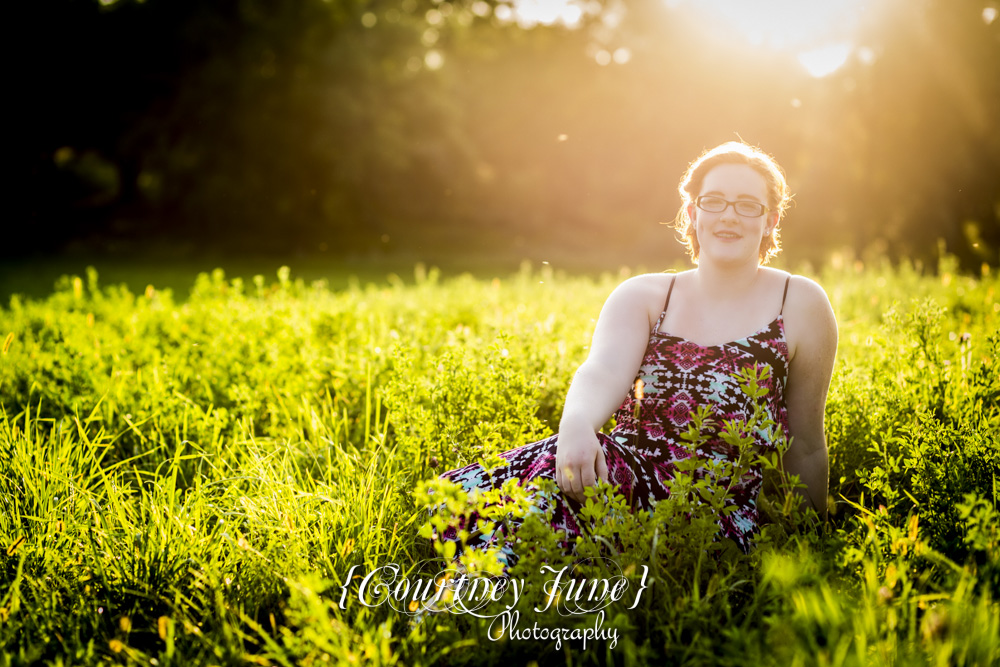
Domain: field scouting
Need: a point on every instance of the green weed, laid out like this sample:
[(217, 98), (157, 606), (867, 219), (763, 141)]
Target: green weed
[(193, 481)]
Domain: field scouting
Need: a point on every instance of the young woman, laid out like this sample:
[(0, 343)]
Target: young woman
[(666, 344)]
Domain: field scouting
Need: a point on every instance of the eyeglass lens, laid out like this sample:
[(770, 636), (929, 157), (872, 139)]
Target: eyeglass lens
[(718, 205)]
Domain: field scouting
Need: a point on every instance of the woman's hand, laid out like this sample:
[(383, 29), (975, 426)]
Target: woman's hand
[(579, 461), (603, 380)]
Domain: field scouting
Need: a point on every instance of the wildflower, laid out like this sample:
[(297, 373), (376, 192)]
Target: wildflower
[(935, 624)]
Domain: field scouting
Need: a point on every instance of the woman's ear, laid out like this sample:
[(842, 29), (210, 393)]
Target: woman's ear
[(773, 225)]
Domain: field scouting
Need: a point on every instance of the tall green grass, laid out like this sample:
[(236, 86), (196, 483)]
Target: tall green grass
[(191, 482)]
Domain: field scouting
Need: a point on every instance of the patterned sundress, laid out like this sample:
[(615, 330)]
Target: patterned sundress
[(642, 450)]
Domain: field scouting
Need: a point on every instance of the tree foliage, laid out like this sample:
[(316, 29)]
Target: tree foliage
[(348, 126)]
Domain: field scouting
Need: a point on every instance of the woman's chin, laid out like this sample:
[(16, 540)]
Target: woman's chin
[(728, 253)]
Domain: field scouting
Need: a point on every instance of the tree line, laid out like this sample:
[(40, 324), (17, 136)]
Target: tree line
[(351, 126)]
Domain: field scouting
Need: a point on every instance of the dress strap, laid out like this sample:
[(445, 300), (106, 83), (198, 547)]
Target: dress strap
[(783, 296), (666, 303)]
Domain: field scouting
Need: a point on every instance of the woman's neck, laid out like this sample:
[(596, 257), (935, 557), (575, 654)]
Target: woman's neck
[(725, 283)]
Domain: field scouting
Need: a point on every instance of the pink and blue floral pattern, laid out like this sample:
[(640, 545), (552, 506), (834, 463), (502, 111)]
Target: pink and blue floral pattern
[(645, 445)]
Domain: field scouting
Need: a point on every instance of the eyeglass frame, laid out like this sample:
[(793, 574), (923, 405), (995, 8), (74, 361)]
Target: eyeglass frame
[(763, 209)]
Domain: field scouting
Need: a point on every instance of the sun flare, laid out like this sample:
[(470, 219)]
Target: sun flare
[(826, 59), (547, 12), (819, 33)]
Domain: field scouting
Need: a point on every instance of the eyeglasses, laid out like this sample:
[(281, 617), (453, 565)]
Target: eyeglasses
[(744, 207)]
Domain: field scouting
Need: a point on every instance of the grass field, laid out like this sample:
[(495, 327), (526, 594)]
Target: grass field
[(192, 480)]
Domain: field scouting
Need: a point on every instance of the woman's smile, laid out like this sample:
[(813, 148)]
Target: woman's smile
[(733, 234)]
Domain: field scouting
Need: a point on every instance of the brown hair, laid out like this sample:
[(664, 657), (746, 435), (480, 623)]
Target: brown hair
[(733, 152)]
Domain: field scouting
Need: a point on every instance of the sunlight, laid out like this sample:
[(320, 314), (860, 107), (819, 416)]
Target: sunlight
[(819, 33), (547, 12), (793, 25), (826, 60)]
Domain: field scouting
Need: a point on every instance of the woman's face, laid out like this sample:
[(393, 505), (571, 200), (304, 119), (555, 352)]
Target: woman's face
[(729, 236)]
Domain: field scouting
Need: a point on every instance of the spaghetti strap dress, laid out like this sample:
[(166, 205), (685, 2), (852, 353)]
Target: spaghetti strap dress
[(642, 450)]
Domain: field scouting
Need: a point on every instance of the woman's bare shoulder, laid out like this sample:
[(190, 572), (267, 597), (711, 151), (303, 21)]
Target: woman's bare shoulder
[(648, 284), (645, 292), (805, 293), (809, 317)]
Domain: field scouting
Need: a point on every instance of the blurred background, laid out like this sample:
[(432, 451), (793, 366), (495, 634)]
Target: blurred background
[(474, 131)]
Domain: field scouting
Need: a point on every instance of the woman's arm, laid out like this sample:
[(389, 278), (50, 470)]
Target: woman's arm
[(601, 382), (811, 332)]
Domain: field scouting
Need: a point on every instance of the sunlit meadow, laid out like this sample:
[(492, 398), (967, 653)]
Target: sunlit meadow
[(189, 479)]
